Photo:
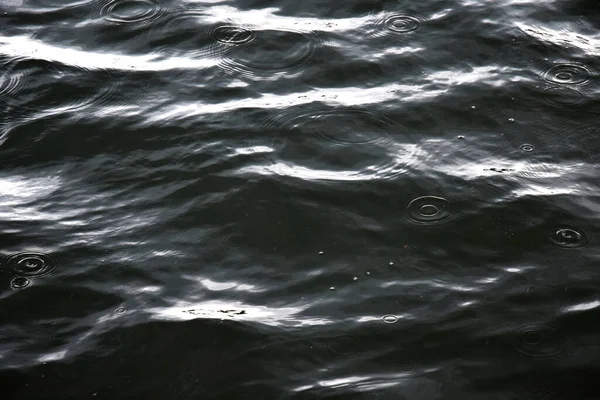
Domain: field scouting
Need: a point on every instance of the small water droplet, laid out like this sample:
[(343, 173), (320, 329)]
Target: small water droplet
[(355, 278), (461, 137), (511, 120), (391, 263), (321, 253), (472, 107), (332, 288), (367, 273), (19, 282)]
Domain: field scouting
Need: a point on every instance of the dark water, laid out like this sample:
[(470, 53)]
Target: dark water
[(291, 199)]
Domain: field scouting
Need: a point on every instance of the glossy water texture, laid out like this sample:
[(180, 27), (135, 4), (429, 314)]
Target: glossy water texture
[(255, 199)]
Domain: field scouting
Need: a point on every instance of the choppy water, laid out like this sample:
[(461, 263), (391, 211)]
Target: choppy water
[(299, 199)]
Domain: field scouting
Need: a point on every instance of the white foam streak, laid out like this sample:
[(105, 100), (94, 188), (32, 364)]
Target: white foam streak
[(582, 306), (267, 18), (26, 47)]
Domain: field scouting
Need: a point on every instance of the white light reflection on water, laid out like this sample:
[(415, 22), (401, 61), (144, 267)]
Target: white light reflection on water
[(282, 316)]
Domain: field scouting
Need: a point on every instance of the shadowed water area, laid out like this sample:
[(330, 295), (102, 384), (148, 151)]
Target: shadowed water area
[(288, 199)]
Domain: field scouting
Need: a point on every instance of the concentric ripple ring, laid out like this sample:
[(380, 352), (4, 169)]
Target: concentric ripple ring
[(569, 237), (131, 11), (31, 264), (568, 74), (429, 210)]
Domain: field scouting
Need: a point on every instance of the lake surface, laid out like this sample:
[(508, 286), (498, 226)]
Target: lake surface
[(289, 199)]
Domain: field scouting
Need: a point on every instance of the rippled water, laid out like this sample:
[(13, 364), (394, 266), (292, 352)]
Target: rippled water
[(299, 199)]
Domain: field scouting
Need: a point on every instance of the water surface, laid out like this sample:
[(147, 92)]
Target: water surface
[(299, 200)]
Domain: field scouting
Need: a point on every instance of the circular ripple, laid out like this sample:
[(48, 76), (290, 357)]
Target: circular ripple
[(46, 325), (539, 342), (31, 264), (344, 143), (19, 282), (121, 310), (562, 97), (234, 241), (395, 24), (429, 210), (131, 11), (42, 92), (568, 74), (403, 23), (268, 53), (348, 126), (405, 367), (527, 147), (10, 82), (343, 345), (389, 319), (233, 35), (569, 237)]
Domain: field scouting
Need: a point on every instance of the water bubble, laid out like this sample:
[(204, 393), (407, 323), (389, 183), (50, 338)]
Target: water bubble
[(19, 282), (568, 74), (343, 345), (562, 97), (429, 210), (131, 11), (266, 54), (31, 264), (121, 310), (569, 237), (355, 278), (389, 319), (511, 120), (527, 147), (321, 253), (539, 342), (332, 288), (461, 137)]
